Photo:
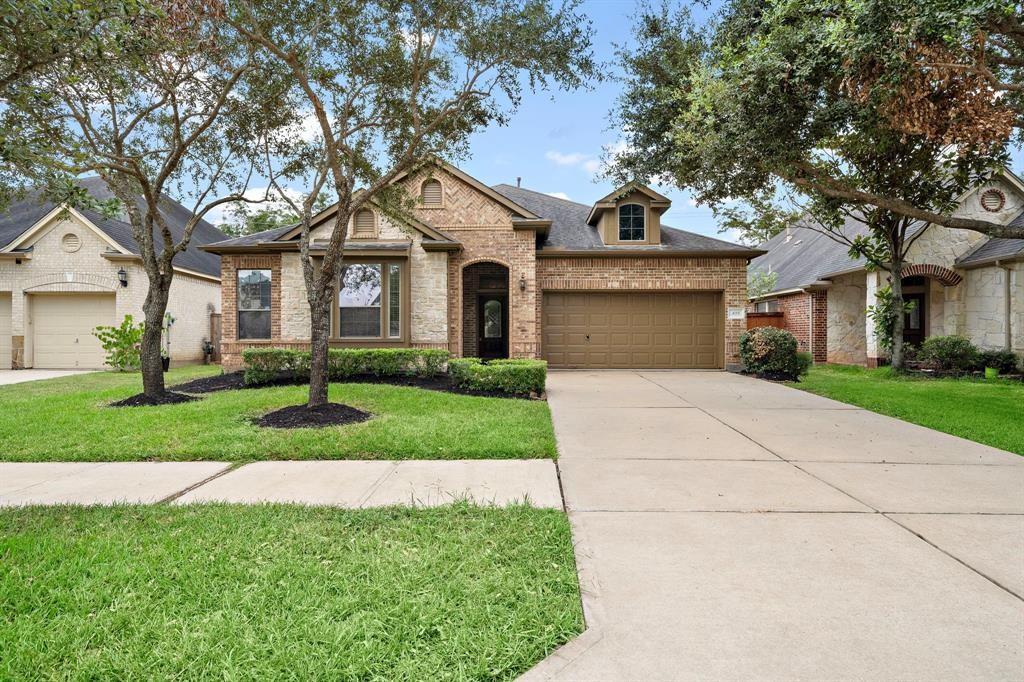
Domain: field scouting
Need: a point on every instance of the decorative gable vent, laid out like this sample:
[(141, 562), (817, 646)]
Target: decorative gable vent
[(430, 193), (365, 225), (71, 242), (992, 200)]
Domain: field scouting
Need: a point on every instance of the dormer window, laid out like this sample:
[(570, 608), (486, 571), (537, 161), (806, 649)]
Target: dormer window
[(430, 193), (631, 223)]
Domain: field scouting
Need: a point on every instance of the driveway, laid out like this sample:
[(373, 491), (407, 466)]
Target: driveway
[(729, 528), (20, 376)]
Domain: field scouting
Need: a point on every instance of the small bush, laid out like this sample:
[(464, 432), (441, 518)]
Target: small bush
[(521, 376), (263, 365), (772, 353), (121, 344), (949, 353), (1006, 361)]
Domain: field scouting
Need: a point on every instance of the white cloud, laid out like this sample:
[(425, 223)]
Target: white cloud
[(224, 213), (571, 159), (592, 166), (559, 195)]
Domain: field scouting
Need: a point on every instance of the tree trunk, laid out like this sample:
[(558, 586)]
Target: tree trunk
[(320, 323), (898, 362), (149, 351)]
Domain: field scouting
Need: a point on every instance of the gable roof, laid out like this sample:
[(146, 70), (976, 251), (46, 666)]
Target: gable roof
[(25, 213), (609, 201), (995, 249), (570, 232)]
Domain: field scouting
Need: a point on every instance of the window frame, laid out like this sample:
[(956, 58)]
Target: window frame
[(643, 221), (384, 338), (239, 309)]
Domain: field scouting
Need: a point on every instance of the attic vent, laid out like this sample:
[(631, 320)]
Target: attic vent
[(71, 242), (365, 224), (430, 193), (992, 200)]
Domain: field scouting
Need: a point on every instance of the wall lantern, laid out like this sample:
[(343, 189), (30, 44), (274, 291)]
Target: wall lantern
[(522, 283), (122, 277)]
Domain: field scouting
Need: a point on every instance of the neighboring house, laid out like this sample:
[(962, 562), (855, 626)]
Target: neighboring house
[(63, 272), (501, 272), (961, 282)]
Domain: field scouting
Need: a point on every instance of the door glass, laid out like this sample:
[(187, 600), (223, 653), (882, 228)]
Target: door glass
[(913, 321), (492, 319)]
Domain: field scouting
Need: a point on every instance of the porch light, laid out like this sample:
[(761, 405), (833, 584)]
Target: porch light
[(522, 282), (122, 277)]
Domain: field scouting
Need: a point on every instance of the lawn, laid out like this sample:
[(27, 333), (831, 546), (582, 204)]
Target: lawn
[(988, 412), (271, 592), (67, 419)]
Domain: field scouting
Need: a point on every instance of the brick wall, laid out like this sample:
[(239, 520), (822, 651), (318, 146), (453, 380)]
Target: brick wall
[(231, 348), (806, 318), (728, 275)]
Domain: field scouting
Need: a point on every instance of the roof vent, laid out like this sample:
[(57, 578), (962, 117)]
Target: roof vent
[(519, 181), (992, 200), (71, 242), (789, 234)]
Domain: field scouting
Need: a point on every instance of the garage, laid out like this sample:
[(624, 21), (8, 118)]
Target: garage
[(5, 331), (62, 328), (682, 330)]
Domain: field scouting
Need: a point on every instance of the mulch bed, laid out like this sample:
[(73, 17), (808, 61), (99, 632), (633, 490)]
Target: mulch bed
[(142, 400), (235, 381), (304, 417)]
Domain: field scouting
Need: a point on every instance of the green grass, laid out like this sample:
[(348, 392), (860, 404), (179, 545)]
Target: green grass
[(986, 412), (67, 419), (272, 592)]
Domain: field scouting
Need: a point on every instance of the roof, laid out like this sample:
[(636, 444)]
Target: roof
[(570, 232), (24, 213), (996, 249)]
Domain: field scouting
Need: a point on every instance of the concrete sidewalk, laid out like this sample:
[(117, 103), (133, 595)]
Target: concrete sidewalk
[(731, 529), (348, 484)]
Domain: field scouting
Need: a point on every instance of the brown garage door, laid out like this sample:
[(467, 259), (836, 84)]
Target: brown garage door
[(678, 330)]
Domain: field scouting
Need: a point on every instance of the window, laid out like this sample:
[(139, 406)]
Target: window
[(430, 193), (364, 224), (631, 223), (370, 301), (492, 319), (254, 304)]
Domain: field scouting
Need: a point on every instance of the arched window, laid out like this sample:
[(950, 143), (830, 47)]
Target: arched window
[(365, 224), (430, 193), (631, 223)]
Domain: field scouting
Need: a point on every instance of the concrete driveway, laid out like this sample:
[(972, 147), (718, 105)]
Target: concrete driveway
[(729, 528), (20, 376)]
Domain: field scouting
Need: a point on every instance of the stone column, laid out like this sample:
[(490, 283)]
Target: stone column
[(872, 283)]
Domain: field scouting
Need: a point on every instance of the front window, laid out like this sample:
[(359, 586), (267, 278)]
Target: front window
[(370, 301), (254, 304), (631, 223)]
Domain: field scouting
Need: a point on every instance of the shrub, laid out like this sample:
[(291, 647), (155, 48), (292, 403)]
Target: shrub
[(1006, 361), (121, 344), (771, 352), (520, 376), (263, 365), (950, 353)]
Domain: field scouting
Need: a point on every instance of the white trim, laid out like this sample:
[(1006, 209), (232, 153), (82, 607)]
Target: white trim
[(618, 224), (38, 226)]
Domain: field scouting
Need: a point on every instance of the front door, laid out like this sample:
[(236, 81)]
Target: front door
[(913, 321), (492, 313)]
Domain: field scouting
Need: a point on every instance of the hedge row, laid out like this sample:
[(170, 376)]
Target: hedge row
[(958, 354), (263, 365), (519, 376)]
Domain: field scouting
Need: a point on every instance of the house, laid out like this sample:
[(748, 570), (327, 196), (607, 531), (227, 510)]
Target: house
[(501, 272), (960, 281), (65, 271)]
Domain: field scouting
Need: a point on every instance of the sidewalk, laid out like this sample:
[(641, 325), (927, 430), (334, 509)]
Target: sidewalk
[(350, 484)]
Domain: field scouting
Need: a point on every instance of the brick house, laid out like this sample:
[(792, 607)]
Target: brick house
[(961, 282), (501, 271), (64, 272)]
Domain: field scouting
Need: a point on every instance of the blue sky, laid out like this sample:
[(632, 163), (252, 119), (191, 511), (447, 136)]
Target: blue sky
[(555, 139)]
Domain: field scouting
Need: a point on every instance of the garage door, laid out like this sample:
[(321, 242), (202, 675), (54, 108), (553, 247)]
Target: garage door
[(5, 331), (62, 327), (634, 330)]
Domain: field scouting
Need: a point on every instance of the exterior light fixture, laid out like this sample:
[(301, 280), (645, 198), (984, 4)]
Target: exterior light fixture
[(122, 277), (522, 282)]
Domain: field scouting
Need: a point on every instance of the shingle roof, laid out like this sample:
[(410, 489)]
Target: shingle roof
[(569, 229), (995, 249), (24, 213)]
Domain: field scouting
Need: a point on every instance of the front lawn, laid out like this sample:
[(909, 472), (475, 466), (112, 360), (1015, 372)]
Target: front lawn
[(67, 419), (986, 412), (272, 592)]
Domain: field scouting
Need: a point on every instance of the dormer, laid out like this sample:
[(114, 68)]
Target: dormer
[(631, 215)]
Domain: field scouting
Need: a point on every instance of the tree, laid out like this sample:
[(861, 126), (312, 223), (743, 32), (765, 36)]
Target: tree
[(249, 219), (183, 110), (755, 222), (771, 97), (391, 85)]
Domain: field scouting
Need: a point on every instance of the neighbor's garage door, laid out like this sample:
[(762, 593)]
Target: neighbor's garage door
[(634, 330), (5, 331), (62, 326)]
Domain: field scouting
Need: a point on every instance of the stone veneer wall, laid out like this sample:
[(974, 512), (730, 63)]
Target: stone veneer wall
[(984, 306), (728, 275), (847, 320), (51, 269)]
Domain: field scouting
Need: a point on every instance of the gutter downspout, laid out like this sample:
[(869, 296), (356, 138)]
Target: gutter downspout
[(1007, 303)]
